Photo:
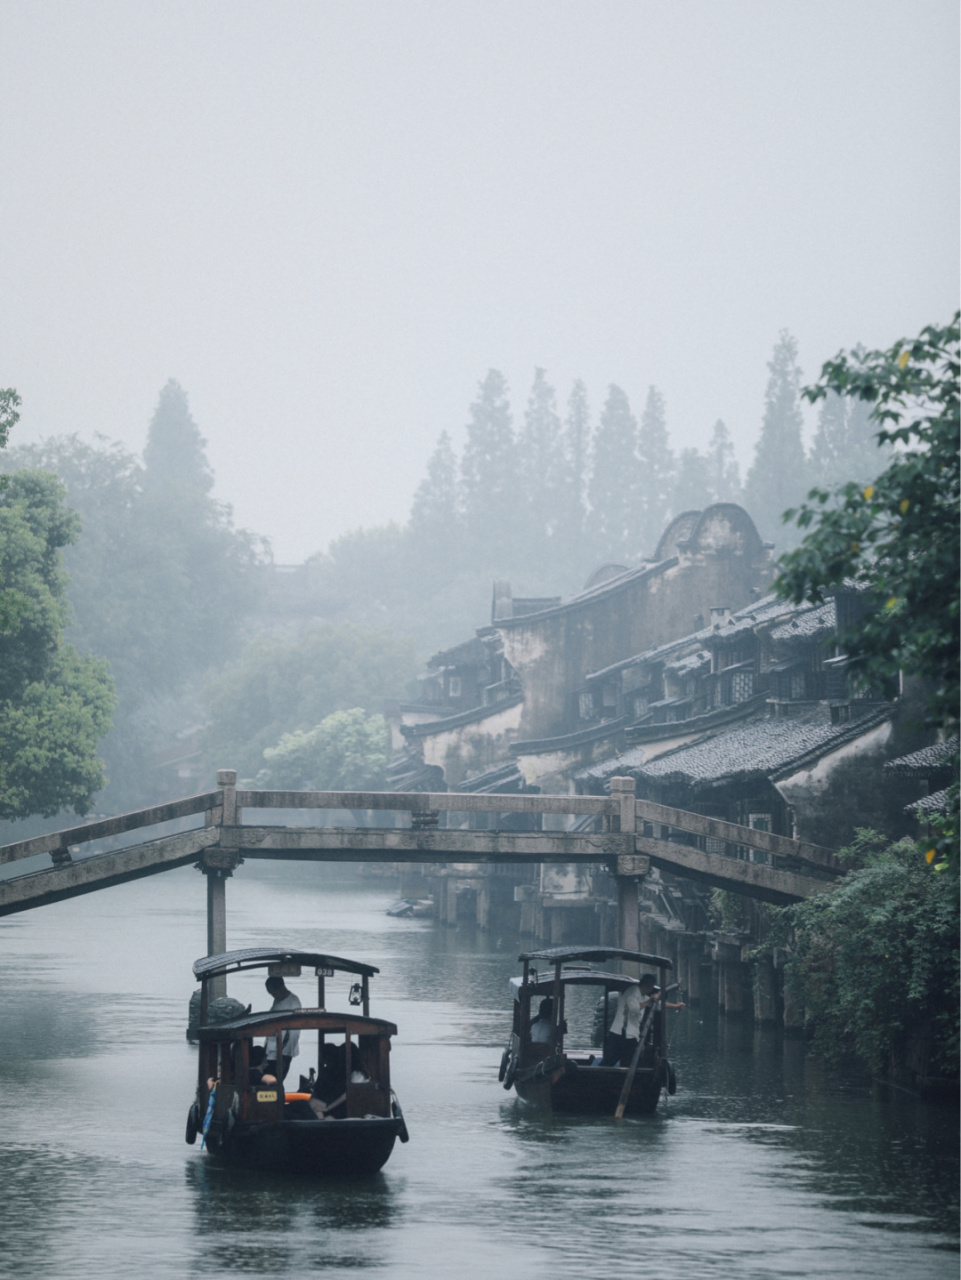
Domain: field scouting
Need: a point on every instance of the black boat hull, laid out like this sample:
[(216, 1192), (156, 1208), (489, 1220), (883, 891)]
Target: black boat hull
[(326, 1149), (592, 1090)]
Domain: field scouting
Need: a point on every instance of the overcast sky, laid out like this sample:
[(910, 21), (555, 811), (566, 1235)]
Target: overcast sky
[(328, 220)]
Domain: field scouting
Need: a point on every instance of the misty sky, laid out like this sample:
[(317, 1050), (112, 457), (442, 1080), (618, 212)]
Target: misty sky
[(328, 220)]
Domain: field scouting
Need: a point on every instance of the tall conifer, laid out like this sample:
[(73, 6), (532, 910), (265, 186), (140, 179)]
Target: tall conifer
[(613, 487), (656, 471), (489, 471), (778, 477), (540, 461), (724, 476)]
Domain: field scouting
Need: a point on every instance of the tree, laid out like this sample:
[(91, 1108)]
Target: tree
[(489, 471), (845, 445), (897, 538), (161, 583), (576, 446), (174, 456), (540, 462), (347, 751), (281, 686), (874, 959), (724, 477), (54, 704), (614, 483), (435, 512), (656, 470), (692, 483), (777, 477)]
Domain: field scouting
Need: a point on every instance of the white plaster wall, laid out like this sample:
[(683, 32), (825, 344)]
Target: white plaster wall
[(472, 748), (805, 786)]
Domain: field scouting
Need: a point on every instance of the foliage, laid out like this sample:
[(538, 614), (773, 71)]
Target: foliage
[(489, 470), (160, 581), (777, 475), (656, 471), (54, 704), (874, 959), (898, 538), (347, 751), (283, 686), (613, 485), (541, 468), (845, 445)]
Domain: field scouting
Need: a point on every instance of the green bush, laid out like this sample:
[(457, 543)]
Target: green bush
[(875, 958)]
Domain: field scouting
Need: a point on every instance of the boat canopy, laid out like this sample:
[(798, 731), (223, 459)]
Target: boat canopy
[(579, 976), (258, 1024), (262, 957), (595, 955)]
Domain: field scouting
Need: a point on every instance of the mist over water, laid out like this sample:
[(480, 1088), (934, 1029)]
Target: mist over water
[(762, 1165)]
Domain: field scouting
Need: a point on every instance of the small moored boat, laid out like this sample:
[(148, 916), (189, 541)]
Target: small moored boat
[(344, 1118), (546, 1072)]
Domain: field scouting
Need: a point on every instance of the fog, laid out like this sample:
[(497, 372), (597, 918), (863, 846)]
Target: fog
[(327, 221)]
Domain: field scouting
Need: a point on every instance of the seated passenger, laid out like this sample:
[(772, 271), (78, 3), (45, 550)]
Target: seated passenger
[(329, 1100), (541, 1025)]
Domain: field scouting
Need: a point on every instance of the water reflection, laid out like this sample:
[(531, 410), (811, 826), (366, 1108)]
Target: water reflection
[(247, 1222), (762, 1165)]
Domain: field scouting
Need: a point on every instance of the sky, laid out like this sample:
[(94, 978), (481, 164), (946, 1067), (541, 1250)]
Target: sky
[(328, 220)]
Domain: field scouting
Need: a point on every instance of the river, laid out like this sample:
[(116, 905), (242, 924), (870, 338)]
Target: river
[(762, 1165)]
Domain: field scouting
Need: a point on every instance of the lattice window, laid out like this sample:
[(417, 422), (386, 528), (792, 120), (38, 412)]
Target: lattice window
[(742, 686), (586, 706), (455, 686)]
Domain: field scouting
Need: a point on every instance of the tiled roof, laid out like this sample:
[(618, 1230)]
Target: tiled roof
[(761, 747), (808, 623), (693, 662), (928, 759), (937, 802)]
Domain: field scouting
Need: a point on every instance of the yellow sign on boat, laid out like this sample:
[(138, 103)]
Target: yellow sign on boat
[(266, 1095)]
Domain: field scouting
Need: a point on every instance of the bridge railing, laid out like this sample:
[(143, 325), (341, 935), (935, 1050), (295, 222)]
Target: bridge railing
[(223, 807)]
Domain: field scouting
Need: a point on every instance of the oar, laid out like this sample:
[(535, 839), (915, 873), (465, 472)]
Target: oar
[(642, 1037), (632, 1069)]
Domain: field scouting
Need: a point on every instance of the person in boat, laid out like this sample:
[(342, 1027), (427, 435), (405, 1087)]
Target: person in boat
[(290, 1042), (541, 1025), (625, 1030), (256, 1072)]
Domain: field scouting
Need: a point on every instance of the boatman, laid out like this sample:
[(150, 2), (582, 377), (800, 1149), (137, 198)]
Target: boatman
[(290, 1042)]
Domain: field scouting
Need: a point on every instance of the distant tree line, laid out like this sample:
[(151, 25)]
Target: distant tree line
[(165, 590)]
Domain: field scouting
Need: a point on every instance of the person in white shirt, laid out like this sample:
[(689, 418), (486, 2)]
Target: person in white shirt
[(290, 1041)]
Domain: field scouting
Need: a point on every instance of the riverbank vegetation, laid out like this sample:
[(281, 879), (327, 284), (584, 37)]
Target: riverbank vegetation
[(874, 962)]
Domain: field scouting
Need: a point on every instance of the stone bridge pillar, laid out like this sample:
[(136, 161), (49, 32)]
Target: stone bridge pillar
[(218, 865), (629, 870)]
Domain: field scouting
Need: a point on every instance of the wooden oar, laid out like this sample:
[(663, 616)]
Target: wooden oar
[(641, 1038), (632, 1069)]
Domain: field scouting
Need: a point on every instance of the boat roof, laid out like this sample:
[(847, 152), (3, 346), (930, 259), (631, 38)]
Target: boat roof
[(258, 1024), (595, 955), (575, 976), (261, 957)]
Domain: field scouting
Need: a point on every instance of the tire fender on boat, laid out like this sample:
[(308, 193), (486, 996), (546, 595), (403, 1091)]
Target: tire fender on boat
[(505, 1058), (193, 1128), (671, 1079), (510, 1073), (399, 1115)]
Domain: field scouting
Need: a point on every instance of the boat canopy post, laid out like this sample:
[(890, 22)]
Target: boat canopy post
[(365, 995), (556, 1008)]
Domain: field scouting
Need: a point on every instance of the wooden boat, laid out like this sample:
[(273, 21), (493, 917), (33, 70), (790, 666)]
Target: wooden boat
[(246, 1120), (552, 1075)]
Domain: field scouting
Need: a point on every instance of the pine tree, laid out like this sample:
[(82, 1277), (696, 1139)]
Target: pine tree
[(489, 472), (540, 462), (692, 486), (436, 529), (778, 477), (613, 486), (174, 457), (576, 443), (435, 509), (724, 477), (656, 471), (845, 445)]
